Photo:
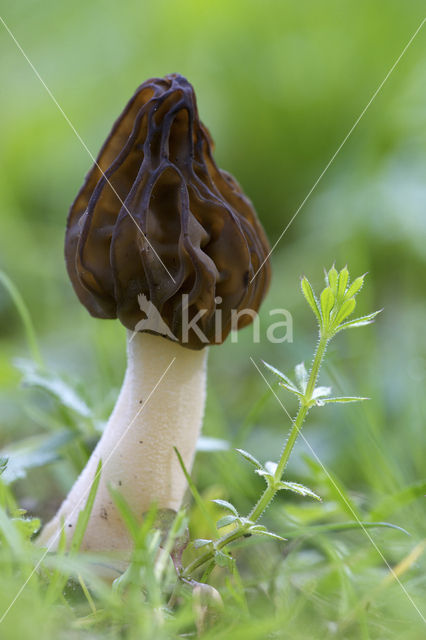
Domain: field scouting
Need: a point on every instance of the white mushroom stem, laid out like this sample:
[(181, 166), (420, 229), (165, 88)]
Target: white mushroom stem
[(160, 406)]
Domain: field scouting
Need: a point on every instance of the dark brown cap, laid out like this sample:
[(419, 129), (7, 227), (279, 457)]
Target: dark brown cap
[(156, 219)]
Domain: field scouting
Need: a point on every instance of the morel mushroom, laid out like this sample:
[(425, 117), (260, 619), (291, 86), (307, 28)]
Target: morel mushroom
[(162, 239)]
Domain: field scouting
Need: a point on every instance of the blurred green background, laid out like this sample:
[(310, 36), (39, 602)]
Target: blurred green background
[(279, 85)]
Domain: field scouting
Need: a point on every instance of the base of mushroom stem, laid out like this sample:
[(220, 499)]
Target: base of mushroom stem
[(112, 566)]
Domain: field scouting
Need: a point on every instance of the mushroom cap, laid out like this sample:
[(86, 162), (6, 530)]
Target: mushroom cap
[(157, 219)]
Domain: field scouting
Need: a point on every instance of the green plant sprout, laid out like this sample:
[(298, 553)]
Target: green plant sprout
[(332, 310)]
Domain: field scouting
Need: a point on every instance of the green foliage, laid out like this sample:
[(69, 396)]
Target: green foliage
[(32, 452), (278, 95), (337, 302), (24, 315), (156, 605), (84, 515), (54, 385), (299, 488)]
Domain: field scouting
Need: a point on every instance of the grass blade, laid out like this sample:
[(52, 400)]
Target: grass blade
[(84, 515), (195, 494), (25, 316)]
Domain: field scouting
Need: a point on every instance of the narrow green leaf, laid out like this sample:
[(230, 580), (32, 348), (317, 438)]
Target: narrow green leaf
[(310, 298), (84, 515), (299, 488), (247, 456), (360, 322), (226, 505), (207, 571), (332, 280), (313, 530), (281, 375), (58, 579), (355, 287), (268, 534), (291, 389), (327, 303), (125, 512), (62, 543), (343, 282), (225, 521), (195, 494), (25, 316), (257, 527), (301, 376), (345, 310), (87, 595)]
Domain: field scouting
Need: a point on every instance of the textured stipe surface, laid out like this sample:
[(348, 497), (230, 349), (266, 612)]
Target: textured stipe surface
[(136, 448)]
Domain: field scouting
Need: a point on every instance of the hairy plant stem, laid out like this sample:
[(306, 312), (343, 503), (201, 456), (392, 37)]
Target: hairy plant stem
[(273, 486)]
